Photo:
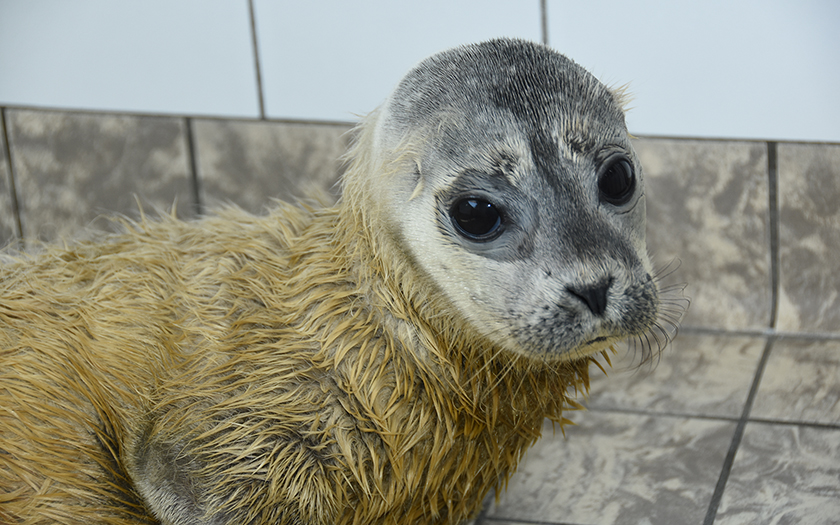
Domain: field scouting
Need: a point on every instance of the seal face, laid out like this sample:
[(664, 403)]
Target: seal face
[(515, 187)]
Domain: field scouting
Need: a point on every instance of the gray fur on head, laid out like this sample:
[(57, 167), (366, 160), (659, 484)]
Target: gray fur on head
[(518, 127)]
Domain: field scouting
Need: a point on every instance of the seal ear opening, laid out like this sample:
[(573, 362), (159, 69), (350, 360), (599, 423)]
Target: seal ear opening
[(418, 189)]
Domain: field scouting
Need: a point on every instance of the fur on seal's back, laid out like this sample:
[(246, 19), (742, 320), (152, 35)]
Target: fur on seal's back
[(283, 363)]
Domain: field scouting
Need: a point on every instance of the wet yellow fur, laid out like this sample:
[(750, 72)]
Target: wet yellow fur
[(297, 363)]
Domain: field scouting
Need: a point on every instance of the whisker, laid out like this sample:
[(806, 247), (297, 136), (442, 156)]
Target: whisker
[(667, 270), (648, 346)]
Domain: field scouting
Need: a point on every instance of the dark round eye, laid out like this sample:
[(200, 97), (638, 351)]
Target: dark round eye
[(476, 219), (617, 182)]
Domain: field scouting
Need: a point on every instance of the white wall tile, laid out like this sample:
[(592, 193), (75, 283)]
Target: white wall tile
[(160, 56), (737, 68), (719, 68), (334, 60)]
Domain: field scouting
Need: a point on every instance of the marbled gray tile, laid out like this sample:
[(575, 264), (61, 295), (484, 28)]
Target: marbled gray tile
[(72, 168), (8, 226), (514, 522), (698, 374), (496, 521), (708, 207), (251, 163), (809, 237), (801, 383), (784, 475), (615, 468)]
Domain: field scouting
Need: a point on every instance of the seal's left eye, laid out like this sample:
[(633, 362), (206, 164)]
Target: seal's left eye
[(617, 182), (476, 219)]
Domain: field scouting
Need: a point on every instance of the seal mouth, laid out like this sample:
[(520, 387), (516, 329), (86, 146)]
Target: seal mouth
[(595, 341), (589, 348)]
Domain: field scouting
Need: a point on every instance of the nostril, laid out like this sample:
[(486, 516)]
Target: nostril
[(594, 296)]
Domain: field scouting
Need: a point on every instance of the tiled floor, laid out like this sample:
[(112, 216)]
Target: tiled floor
[(733, 423), (655, 445)]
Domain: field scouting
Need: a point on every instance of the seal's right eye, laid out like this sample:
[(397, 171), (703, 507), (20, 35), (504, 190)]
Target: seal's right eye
[(617, 182), (476, 219)]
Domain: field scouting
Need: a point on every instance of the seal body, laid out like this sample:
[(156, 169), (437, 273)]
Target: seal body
[(385, 360)]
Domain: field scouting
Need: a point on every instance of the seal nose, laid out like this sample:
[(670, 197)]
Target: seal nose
[(594, 296)]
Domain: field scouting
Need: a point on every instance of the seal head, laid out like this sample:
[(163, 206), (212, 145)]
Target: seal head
[(509, 178)]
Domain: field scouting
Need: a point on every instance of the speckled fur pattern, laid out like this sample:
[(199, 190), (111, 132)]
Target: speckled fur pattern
[(332, 365)]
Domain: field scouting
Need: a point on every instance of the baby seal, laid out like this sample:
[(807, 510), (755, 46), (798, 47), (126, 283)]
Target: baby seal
[(386, 360)]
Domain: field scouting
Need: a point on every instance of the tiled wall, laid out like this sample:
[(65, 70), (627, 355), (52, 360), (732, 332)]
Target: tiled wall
[(752, 227), (69, 169), (755, 226)]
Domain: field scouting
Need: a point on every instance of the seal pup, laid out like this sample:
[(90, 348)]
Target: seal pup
[(386, 360)]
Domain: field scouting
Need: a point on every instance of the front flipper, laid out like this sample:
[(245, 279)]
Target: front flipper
[(179, 488), (165, 477)]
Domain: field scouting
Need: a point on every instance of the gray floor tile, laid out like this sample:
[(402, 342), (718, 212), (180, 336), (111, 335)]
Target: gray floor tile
[(698, 374), (809, 237), (708, 207), (801, 383), (496, 521), (784, 475), (250, 163), (615, 468), (72, 168), (7, 217), (514, 522)]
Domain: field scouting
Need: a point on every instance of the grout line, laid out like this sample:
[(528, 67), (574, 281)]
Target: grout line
[(152, 114), (544, 21), (808, 424), (281, 120), (727, 332), (516, 521), (13, 195), (717, 495), (708, 417), (805, 336), (654, 136), (257, 68), (674, 415), (773, 187), (705, 330), (198, 205)]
